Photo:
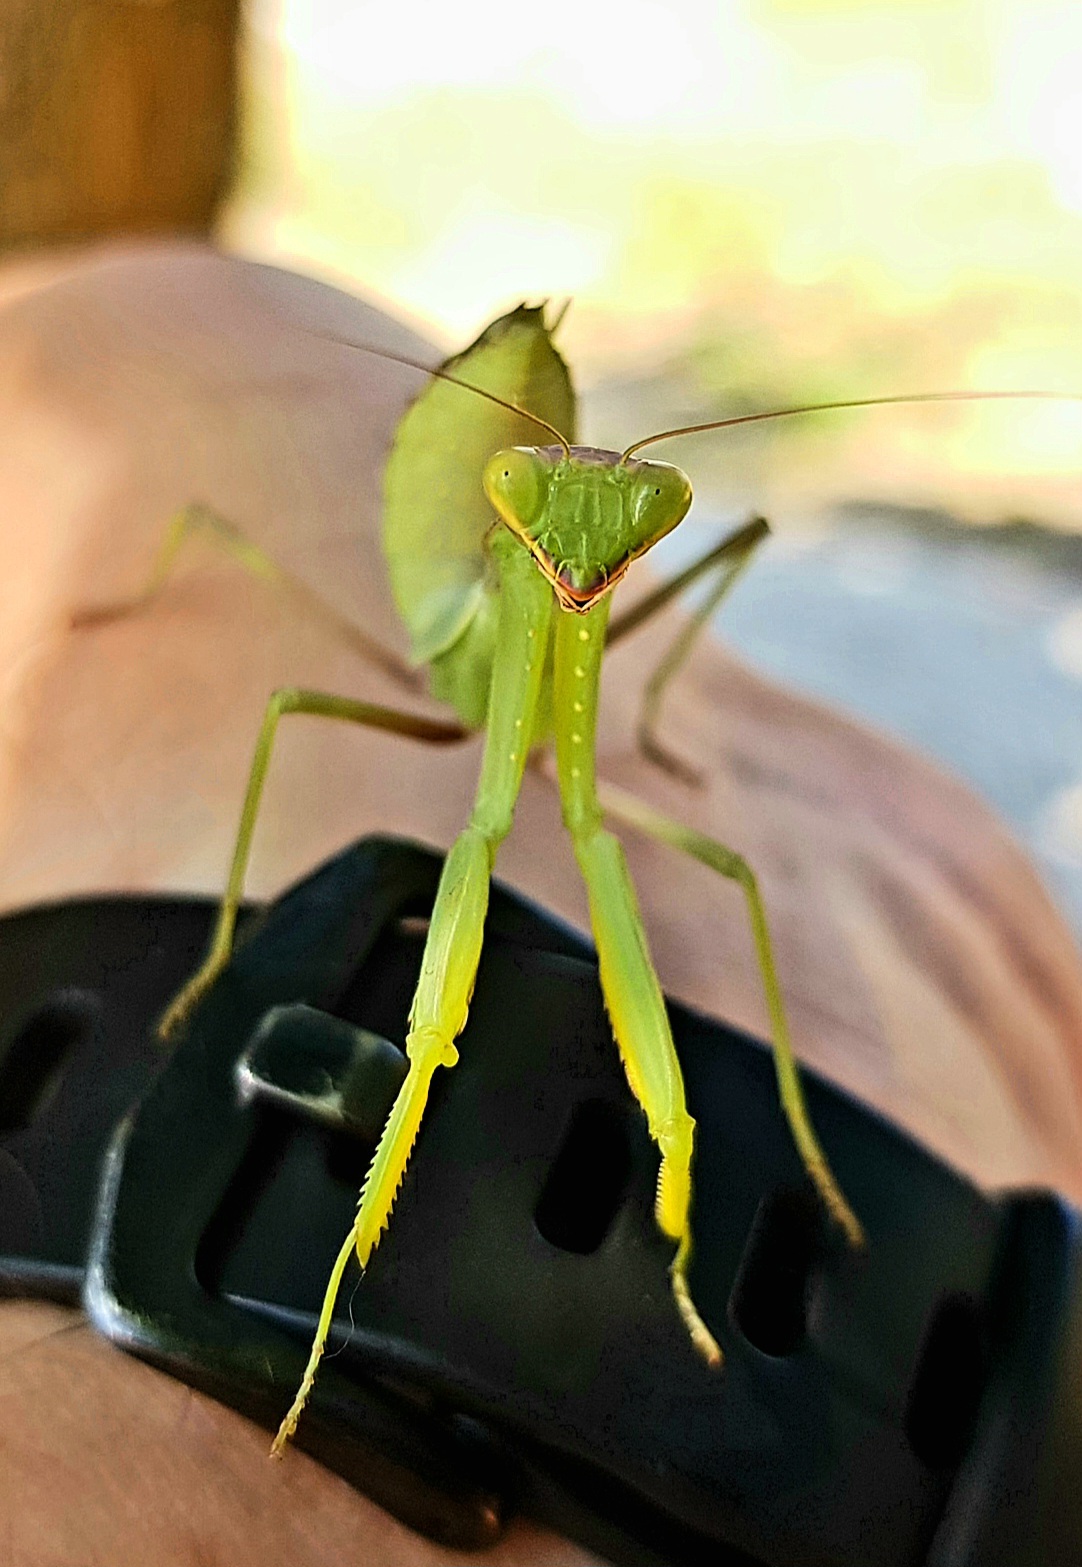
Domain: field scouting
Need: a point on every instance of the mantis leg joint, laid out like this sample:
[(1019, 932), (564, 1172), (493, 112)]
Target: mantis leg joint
[(428, 1046)]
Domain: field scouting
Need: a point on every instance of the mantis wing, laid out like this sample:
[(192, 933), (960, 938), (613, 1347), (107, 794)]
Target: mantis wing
[(436, 517)]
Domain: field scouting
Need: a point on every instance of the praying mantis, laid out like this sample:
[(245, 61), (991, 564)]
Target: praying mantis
[(503, 556)]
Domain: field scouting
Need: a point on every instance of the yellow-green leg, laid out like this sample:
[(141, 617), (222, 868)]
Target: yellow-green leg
[(456, 929), (437, 1017), (628, 808), (427, 1048), (290, 699), (640, 1026), (194, 519), (727, 559), (186, 522), (633, 997)]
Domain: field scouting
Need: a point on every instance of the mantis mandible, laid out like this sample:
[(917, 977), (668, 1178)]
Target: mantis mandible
[(502, 557)]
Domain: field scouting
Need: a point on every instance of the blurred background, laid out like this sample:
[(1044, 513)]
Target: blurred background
[(750, 203)]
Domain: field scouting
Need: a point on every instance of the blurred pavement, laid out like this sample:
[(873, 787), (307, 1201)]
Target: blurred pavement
[(970, 651)]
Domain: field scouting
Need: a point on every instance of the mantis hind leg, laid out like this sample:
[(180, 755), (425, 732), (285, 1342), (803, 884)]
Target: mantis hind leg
[(195, 519), (290, 699), (725, 562), (628, 808)]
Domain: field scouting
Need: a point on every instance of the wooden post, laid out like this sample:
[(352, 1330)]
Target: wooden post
[(116, 117)]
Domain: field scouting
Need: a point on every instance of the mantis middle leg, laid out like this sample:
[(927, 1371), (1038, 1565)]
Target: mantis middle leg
[(453, 946), (290, 699), (628, 808), (726, 561)]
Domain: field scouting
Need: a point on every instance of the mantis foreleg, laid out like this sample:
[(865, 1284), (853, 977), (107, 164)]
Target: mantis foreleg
[(290, 699), (194, 519), (727, 560), (632, 992), (453, 946), (628, 808)]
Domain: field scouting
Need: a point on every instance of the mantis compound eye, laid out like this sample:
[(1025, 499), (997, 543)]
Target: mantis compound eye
[(516, 482), (661, 500)]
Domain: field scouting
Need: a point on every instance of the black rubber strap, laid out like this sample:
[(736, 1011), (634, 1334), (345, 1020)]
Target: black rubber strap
[(514, 1342)]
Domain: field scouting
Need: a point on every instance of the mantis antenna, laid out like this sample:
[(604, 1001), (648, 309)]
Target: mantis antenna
[(855, 402), (729, 423), (443, 375)]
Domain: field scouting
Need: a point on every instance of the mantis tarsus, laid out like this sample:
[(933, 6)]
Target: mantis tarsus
[(502, 558)]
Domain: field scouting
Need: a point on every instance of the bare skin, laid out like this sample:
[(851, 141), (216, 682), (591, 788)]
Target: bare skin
[(923, 965)]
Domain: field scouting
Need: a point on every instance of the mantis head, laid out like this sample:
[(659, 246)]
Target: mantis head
[(584, 514)]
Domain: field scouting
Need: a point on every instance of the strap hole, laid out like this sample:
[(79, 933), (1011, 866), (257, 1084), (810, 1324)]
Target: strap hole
[(769, 1303), (587, 1181), (947, 1383), (33, 1062)]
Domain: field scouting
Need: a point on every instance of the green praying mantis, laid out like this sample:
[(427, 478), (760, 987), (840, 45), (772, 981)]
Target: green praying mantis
[(502, 556)]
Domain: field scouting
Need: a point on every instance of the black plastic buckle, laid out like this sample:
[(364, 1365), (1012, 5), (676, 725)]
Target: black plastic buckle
[(514, 1342)]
